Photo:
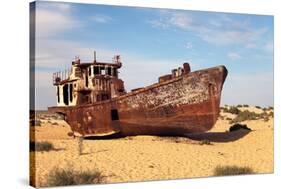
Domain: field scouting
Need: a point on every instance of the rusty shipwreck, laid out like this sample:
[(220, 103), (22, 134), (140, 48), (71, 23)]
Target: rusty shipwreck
[(94, 102)]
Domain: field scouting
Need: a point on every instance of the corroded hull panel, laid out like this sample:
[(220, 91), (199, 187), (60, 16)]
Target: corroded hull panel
[(186, 104)]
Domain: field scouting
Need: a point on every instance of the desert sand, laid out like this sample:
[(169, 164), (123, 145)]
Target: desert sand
[(141, 158)]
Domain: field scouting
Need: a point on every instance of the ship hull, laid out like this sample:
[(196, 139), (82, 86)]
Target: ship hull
[(186, 104)]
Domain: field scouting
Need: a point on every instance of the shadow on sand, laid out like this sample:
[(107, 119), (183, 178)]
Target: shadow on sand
[(219, 136), (212, 136)]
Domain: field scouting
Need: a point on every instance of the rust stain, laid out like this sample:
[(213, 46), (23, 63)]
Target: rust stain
[(95, 102)]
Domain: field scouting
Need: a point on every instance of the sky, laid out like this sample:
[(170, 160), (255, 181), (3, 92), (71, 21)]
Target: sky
[(152, 42)]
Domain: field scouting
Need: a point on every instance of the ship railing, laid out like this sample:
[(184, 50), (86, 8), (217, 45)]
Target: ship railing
[(61, 76)]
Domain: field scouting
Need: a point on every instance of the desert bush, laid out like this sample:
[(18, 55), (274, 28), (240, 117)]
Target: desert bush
[(206, 142), (245, 105), (263, 115), (67, 176), (232, 110), (270, 114), (245, 115), (223, 109), (42, 146), (238, 126), (239, 106), (232, 170), (258, 107), (55, 123)]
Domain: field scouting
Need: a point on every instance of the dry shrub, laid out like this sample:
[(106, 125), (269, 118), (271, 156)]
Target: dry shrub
[(245, 115), (41, 146), (232, 170), (68, 176), (205, 142), (232, 110)]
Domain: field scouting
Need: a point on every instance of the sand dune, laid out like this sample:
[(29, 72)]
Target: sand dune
[(142, 158)]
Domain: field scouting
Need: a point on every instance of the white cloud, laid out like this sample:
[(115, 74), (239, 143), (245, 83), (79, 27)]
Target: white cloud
[(230, 36), (181, 21), (101, 18), (251, 46), (221, 30), (268, 47), (158, 24), (55, 6), (53, 19), (233, 56), (170, 19), (188, 45), (58, 54)]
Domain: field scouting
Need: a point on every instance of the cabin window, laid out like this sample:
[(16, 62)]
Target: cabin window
[(90, 69), (58, 93), (109, 71), (96, 70), (114, 114), (65, 94), (120, 90), (70, 92), (114, 72), (86, 81)]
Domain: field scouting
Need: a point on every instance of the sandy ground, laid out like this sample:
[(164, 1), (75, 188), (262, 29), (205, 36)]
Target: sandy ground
[(142, 158)]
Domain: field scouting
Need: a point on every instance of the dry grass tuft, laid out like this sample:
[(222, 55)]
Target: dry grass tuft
[(67, 176), (232, 170), (205, 142), (41, 146)]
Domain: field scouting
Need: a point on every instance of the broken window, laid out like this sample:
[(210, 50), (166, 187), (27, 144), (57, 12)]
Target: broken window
[(114, 72), (86, 81), (65, 94), (114, 114), (70, 92), (58, 93), (90, 69), (96, 70), (109, 71)]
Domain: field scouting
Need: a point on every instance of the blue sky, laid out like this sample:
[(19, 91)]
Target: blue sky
[(151, 42)]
